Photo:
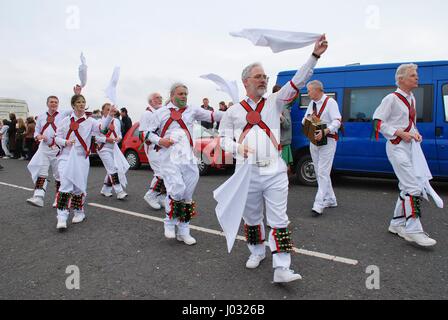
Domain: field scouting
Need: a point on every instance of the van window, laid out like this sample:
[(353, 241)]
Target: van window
[(445, 100), (361, 103), (305, 99)]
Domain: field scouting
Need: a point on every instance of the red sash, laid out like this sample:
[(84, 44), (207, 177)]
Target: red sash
[(253, 118), (74, 126), (176, 115), (108, 134), (412, 115)]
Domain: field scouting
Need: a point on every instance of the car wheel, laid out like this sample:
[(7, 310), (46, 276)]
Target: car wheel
[(132, 159), (305, 173), (203, 167)]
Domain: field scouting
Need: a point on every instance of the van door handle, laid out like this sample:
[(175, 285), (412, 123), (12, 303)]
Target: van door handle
[(439, 132)]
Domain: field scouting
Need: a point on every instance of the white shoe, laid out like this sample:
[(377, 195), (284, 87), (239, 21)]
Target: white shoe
[(62, 225), (421, 238), (79, 217), (170, 232), (331, 205), (107, 194), (55, 203), (254, 261), (121, 195), (282, 275), (152, 202), (36, 201), (189, 240), (397, 230)]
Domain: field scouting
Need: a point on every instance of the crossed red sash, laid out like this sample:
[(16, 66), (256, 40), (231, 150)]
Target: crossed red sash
[(412, 114), (109, 133), (74, 126), (50, 122), (176, 115), (253, 118)]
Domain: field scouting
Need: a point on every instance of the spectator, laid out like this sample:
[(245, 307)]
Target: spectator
[(2, 153), (12, 131), (4, 135), (206, 106), (223, 108), (126, 122), (96, 114), (20, 136), (30, 145)]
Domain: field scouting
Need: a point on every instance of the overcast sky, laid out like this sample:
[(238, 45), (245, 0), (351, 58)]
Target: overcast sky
[(159, 42)]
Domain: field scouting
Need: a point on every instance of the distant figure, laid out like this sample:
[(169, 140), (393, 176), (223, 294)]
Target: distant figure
[(29, 137), (206, 106), (126, 122)]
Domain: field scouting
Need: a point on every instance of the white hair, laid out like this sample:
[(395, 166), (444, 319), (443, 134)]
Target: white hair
[(246, 72), (175, 86), (403, 71), (316, 84)]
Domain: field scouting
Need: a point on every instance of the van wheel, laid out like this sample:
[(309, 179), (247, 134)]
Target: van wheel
[(202, 166), (132, 159), (305, 173)]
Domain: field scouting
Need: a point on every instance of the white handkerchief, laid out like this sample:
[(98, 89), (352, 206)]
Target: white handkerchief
[(83, 71), (278, 40), (111, 90), (229, 87), (231, 198)]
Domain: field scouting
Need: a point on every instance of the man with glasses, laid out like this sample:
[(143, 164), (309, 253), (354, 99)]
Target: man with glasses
[(251, 130)]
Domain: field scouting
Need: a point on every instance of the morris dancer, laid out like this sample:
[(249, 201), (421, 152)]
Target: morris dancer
[(179, 170), (251, 130), (74, 136), (113, 160), (396, 119), (156, 194)]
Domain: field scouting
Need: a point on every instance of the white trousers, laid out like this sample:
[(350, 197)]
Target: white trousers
[(48, 159), (323, 157), (154, 162), (5, 147), (271, 192), (107, 157), (400, 157), (180, 181)]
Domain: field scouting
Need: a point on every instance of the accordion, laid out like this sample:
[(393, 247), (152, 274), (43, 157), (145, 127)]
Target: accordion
[(311, 127)]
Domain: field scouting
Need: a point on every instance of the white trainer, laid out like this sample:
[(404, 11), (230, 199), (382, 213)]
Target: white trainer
[(107, 194), (397, 230), (62, 225), (79, 217), (36, 201), (55, 203), (331, 205), (152, 202), (317, 210), (170, 232), (283, 275), (187, 239), (121, 195), (421, 238), (254, 261)]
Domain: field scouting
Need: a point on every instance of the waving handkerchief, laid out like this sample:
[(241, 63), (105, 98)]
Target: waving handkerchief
[(83, 71), (229, 87), (111, 90), (277, 40)]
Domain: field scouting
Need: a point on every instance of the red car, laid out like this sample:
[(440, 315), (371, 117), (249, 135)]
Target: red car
[(206, 148)]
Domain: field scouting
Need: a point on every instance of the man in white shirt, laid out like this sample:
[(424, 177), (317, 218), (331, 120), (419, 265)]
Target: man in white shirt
[(171, 129), (396, 119), (156, 194), (251, 131), (325, 110)]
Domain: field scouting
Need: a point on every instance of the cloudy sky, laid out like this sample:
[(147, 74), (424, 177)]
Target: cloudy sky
[(159, 42)]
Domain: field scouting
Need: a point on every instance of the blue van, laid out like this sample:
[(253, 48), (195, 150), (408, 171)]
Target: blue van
[(359, 90)]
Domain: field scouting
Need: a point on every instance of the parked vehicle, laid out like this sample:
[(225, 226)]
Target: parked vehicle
[(359, 90), (206, 148)]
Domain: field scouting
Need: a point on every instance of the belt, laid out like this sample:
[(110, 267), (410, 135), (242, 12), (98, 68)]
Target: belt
[(263, 163)]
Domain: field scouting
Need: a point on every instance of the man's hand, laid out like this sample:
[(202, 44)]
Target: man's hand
[(405, 136), (70, 142), (321, 45), (244, 150), (77, 89), (319, 136), (418, 137), (166, 143), (41, 137)]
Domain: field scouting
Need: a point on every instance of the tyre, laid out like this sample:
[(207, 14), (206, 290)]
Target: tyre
[(203, 167), (305, 173), (133, 160)]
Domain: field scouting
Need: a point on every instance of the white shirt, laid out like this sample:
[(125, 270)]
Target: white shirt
[(234, 119), (88, 128), (49, 132), (394, 114), (330, 116), (145, 120), (101, 137)]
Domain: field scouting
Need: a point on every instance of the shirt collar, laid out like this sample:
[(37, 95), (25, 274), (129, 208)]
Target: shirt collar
[(249, 100), (407, 96), (321, 100), (76, 118)]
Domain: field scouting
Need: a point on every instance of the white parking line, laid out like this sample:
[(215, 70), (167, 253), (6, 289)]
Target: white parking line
[(209, 231), (219, 233)]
